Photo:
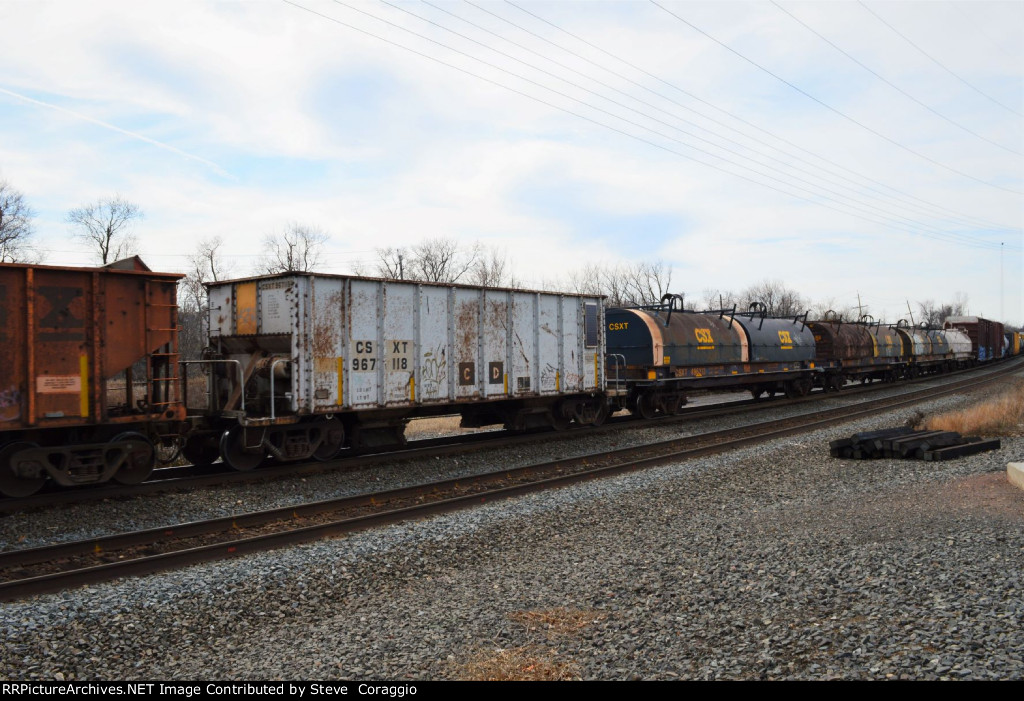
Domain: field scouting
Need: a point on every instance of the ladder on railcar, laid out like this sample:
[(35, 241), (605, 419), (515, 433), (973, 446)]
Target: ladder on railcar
[(162, 380)]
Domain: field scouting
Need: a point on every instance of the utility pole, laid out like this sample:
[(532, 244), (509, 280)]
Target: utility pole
[(1001, 315)]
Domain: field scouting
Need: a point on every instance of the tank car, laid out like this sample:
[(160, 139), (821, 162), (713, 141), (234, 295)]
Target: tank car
[(300, 365), (89, 384), (658, 353)]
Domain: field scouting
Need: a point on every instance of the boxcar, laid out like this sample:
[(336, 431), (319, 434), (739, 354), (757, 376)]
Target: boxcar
[(89, 379), (986, 335), (302, 364)]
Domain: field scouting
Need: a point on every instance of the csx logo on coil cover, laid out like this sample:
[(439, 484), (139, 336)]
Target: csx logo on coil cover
[(784, 337), (704, 336)]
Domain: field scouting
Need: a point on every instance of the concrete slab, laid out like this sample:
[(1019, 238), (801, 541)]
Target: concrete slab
[(1015, 473)]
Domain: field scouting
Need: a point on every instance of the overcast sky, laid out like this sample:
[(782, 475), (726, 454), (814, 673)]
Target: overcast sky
[(842, 148)]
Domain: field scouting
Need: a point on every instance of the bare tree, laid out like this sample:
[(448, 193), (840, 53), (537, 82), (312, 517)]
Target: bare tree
[(297, 249), (390, 264), (15, 227), (778, 299), (712, 298), (492, 269), (105, 226), (442, 259), (628, 284), (933, 314), (205, 265), (832, 307)]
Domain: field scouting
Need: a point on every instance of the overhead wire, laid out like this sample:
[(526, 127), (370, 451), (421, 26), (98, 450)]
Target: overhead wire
[(835, 110), (877, 209), (937, 62), (902, 195), (891, 84), (940, 236)]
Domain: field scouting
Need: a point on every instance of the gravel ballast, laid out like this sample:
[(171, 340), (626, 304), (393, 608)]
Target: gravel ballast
[(765, 563)]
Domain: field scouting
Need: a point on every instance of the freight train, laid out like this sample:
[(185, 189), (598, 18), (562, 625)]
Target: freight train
[(299, 365)]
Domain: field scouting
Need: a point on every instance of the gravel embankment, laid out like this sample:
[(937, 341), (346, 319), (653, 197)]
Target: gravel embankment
[(771, 562), (95, 519)]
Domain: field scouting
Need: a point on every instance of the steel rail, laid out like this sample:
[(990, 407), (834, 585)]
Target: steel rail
[(670, 451)]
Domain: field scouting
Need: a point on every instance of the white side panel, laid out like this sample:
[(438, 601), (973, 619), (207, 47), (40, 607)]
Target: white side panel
[(433, 384), (572, 345), (222, 320), (549, 358), (277, 305), (363, 353), (523, 377), (399, 342), (495, 363)]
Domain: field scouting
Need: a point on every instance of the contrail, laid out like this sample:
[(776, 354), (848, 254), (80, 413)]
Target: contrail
[(220, 171)]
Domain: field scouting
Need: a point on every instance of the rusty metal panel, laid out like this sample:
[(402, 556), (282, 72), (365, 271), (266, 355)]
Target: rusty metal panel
[(471, 372), (496, 355), (886, 342), (435, 377), (13, 346), (326, 343), (66, 332), (840, 341)]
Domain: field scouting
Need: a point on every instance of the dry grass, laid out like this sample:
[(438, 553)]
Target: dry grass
[(530, 663), (556, 622), (1002, 415)]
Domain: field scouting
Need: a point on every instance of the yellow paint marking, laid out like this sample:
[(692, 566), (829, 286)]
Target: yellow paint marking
[(83, 397)]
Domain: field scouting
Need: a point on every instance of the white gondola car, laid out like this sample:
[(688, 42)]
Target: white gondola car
[(328, 360)]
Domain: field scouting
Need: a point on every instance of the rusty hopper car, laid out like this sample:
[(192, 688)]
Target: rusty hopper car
[(302, 364), (88, 384)]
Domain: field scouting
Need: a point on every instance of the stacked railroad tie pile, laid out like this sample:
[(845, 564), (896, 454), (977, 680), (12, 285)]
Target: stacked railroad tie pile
[(909, 444)]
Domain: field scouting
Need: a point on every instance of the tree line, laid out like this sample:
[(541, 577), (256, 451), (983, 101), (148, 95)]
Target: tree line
[(107, 228)]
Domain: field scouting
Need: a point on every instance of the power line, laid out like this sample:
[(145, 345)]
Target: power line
[(947, 237), (833, 109), (893, 85), (905, 195), (937, 62), (873, 209)]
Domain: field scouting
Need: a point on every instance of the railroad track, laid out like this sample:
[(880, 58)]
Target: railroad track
[(38, 570), (187, 477)]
